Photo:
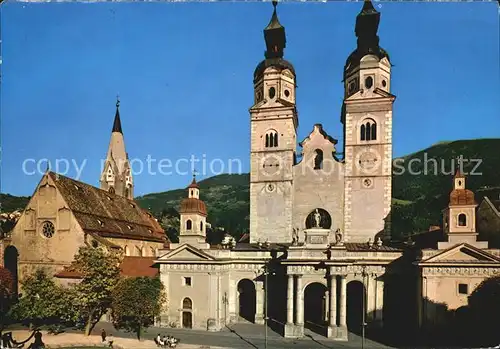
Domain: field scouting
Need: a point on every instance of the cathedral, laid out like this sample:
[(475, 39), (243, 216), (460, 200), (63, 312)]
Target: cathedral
[(318, 224), (319, 255)]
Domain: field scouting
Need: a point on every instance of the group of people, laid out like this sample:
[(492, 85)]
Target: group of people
[(107, 339), (166, 341)]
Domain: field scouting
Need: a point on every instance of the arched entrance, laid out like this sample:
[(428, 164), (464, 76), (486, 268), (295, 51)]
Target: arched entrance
[(10, 258), (356, 303), (315, 306), (246, 299), (187, 313)]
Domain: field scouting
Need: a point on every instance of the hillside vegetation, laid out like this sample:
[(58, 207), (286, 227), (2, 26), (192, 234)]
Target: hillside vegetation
[(419, 194)]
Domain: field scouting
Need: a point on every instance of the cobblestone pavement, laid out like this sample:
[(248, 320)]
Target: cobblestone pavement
[(246, 336), (64, 340)]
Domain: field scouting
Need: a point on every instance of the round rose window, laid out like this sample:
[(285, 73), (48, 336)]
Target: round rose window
[(48, 229)]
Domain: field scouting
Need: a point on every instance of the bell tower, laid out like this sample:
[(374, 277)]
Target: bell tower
[(273, 122), (116, 176), (367, 119)]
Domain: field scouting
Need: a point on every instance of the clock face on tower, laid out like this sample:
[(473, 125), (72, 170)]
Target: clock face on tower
[(270, 166), (368, 161)]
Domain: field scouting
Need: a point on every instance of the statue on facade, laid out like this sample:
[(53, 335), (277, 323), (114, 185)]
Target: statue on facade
[(295, 237), (338, 237), (317, 218), (379, 242)]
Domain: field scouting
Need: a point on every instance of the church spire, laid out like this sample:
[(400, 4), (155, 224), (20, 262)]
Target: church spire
[(367, 23), (116, 176), (275, 37), (117, 124)]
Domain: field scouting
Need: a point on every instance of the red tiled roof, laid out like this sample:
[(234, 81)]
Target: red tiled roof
[(364, 247), (130, 267), (462, 197), (107, 215), (193, 184), (193, 205), (69, 272), (138, 266)]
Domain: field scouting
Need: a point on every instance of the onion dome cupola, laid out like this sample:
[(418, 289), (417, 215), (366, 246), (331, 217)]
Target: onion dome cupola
[(192, 204), (193, 217), (274, 66), (460, 195), (368, 67), (459, 218)]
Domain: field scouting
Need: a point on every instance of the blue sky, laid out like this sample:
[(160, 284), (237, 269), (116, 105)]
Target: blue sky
[(184, 75)]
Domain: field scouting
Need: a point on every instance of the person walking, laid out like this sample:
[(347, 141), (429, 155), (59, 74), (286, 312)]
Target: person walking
[(103, 335)]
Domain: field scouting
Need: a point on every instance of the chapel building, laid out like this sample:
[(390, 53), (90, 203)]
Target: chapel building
[(64, 214)]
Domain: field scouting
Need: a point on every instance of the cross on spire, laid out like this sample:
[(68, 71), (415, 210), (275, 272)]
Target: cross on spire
[(117, 101), (460, 162)]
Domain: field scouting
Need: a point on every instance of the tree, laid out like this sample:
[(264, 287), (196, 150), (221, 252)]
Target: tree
[(43, 302), (100, 273), (484, 304), (136, 303), (6, 290)]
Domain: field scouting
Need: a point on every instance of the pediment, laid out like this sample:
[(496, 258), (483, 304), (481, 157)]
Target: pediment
[(186, 253), (376, 93), (463, 253), (275, 103)]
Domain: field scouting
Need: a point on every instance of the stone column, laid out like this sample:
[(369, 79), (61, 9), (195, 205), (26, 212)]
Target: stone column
[(232, 313), (259, 302), (333, 301), (219, 301), (343, 301), (327, 306), (289, 300), (300, 302), (341, 330), (332, 310), (379, 301), (371, 293)]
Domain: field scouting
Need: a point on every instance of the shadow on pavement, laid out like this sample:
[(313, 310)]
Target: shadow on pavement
[(243, 339)]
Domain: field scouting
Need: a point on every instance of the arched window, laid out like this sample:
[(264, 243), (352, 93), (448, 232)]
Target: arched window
[(368, 131), (189, 224), (318, 160), (201, 226), (187, 303), (271, 139), (111, 190), (462, 220)]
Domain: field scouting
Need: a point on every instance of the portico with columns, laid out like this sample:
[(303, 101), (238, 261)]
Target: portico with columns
[(335, 275)]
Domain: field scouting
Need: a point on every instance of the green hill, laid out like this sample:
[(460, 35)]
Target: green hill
[(420, 192), (10, 203), (420, 195)]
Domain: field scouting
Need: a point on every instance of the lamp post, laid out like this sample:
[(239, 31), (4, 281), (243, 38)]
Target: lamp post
[(364, 294), (225, 302)]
